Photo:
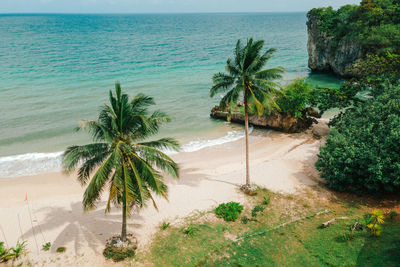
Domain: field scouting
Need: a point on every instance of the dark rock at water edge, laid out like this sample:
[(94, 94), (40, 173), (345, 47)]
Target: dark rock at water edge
[(276, 121)]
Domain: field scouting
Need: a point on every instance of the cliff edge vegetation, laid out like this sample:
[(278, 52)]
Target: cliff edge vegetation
[(339, 39)]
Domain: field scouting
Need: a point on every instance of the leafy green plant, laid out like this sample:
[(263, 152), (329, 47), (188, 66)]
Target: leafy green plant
[(374, 221), (295, 98), (392, 215), (362, 152), (61, 249), (256, 210), (19, 249), (245, 220), (348, 236), (266, 200), (12, 253), (46, 246), (229, 211), (4, 253), (165, 225), (191, 230)]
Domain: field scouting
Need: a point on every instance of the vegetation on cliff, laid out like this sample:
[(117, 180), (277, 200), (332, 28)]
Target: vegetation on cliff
[(374, 23), (346, 40)]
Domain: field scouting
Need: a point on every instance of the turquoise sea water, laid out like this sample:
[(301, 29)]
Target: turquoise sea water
[(57, 69)]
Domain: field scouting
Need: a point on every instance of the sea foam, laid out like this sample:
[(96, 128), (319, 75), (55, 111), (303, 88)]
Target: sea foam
[(37, 163)]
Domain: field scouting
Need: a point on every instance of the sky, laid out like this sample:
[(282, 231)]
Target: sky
[(164, 6)]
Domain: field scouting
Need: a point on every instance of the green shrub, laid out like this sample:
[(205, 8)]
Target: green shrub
[(245, 220), (229, 211), (61, 249), (46, 246), (256, 210), (12, 253), (362, 152), (295, 98), (4, 253), (191, 230), (19, 249), (165, 225), (266, 201)]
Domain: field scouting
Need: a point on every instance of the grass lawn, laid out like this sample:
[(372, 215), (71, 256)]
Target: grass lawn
[(205, 240)]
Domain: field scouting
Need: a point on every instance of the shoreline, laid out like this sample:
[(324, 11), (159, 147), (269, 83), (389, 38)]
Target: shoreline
[(209, 176), (37, 163)]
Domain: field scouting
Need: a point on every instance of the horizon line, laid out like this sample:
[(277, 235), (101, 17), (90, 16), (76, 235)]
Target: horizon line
[(148, 13)]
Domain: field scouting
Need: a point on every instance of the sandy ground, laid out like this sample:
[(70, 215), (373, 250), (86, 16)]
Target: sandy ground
[(53, 212)]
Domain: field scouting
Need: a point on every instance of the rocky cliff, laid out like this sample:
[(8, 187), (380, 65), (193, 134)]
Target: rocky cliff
[(328, 55)]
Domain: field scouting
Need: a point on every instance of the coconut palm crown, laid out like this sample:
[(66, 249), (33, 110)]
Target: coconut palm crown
[(245, 76), (119, 160)]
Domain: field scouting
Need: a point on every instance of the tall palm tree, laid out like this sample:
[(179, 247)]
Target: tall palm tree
[(119, 159), (244, 75)]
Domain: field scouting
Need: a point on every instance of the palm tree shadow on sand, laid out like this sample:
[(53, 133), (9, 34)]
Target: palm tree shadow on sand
[(83, 229)]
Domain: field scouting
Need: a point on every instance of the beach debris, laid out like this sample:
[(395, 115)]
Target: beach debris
[(250, 190), (331, 221), (356, 226)]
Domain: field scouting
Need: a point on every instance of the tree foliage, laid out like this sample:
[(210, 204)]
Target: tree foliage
[(362, 152), (119, 159), (229, 211), (245, 72), (374, 23), (245, 75), (295, 98)]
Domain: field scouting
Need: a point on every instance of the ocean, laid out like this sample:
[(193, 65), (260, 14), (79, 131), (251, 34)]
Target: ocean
[(57, 69)]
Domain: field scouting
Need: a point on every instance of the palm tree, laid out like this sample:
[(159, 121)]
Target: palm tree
[(244, 75), (119, 159)]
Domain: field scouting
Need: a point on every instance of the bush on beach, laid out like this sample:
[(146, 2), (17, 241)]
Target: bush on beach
[(229, 211)]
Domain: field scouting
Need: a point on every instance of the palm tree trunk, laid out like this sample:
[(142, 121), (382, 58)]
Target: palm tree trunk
[(123, 232), (124, 207), (246, 129)]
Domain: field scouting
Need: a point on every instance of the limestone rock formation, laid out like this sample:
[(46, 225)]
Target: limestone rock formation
[(277, 121), (328, 55)]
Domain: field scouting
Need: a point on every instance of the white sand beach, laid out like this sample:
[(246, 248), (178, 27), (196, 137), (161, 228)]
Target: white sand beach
[(53, 212)]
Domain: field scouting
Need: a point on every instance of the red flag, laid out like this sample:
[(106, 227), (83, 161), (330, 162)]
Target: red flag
[(26, 197)]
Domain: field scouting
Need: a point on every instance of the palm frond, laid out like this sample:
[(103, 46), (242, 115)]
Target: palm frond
[(270, 74), (158, 158), (132, 170), (96, 185), (231, 98), (74, 155), (163, 143), (221, 82)]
